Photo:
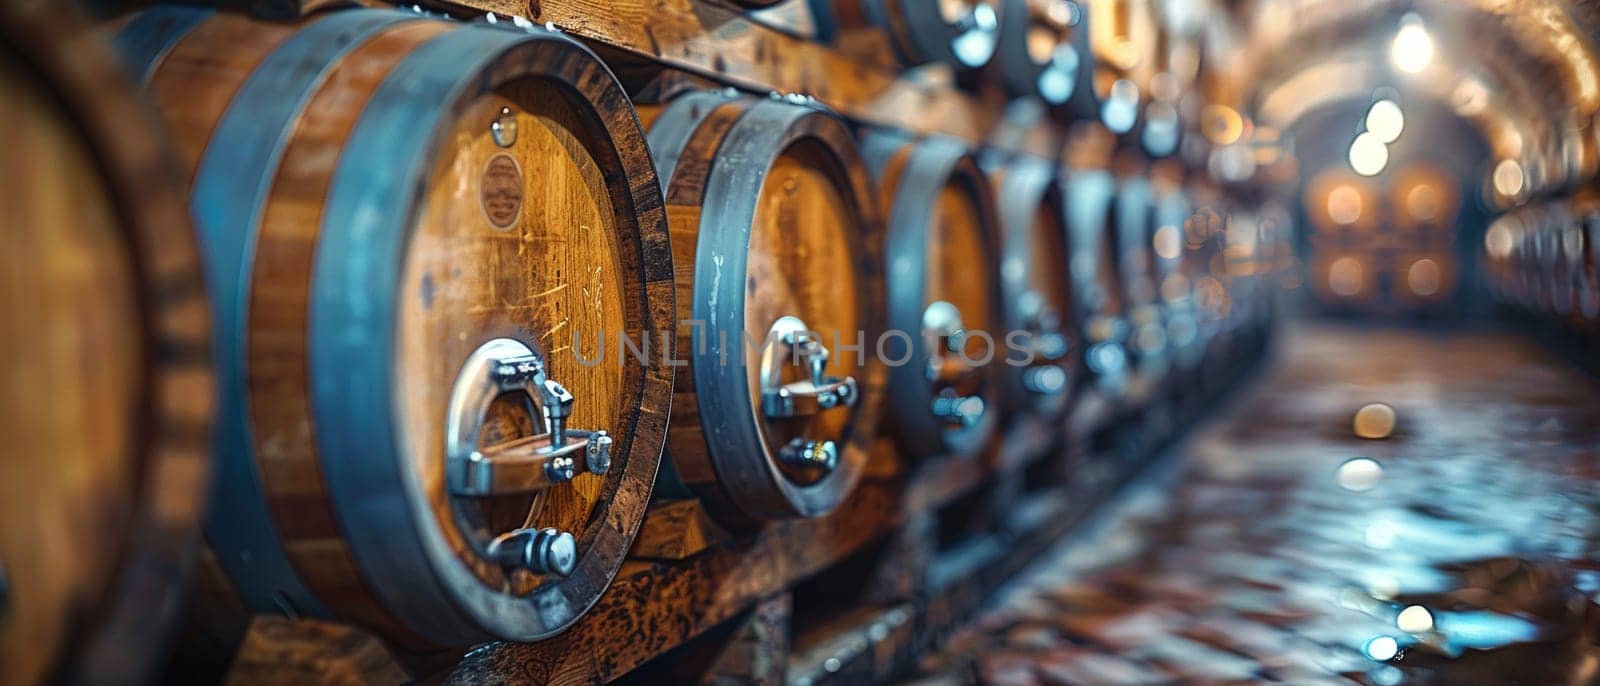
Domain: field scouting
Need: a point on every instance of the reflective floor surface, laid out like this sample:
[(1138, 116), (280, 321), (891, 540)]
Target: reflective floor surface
[(1277, 545)]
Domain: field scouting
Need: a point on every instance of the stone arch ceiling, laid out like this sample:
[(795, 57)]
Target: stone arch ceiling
[(1517, 48)]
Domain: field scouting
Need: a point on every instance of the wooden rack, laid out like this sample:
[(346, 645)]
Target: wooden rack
[(660, 47), (687, 577)]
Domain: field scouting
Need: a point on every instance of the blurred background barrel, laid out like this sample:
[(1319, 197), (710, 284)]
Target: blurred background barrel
[(1128, 235), (945, 314), (780, 300), (962, 34), (431, 240), (1101, 316), (1169, 238), (1044, 53), (108, 394), (1035, 288)]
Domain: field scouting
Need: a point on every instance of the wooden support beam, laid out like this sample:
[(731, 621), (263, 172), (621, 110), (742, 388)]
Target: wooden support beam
[(763, 53)]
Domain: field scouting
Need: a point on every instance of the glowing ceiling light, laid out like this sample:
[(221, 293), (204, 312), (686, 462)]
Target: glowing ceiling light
[(1386, 121), (1368, 154), (1381, 648), (1415, 619), (1470, 97), (1412, 50)]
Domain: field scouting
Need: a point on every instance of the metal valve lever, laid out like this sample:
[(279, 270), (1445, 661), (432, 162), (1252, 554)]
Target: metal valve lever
[(529, 464), (959, 411), (949, 365), (816, 393), (1048, 346), (801, 453), (541, 551), (1044, 327), (943, 320)]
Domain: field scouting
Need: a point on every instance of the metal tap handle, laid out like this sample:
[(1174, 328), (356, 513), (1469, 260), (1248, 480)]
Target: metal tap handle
[(527, 465), (818, 392)]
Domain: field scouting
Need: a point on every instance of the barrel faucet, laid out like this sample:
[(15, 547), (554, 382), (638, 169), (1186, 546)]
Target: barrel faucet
[(523, 466)]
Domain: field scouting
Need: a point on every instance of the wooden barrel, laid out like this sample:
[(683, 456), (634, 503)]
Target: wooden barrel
[(1499, 239), (1044, 53), (775, 240), (1132, 217), (108, 394), (1098, 305), (1171, 236), (944, 346), (431, 239), (1250, 306), (959, 33), (1582, 253), (1527, 264), (1125, 43), (1035, 287), (1203, 264)]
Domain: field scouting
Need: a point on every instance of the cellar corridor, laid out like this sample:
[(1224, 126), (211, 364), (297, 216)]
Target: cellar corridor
[(1277, 545)]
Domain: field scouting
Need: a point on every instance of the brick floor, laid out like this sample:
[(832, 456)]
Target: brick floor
[(1254, 555)]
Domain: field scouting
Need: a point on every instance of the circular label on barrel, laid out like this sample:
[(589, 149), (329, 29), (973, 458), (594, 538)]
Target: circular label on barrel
[(501, 189)]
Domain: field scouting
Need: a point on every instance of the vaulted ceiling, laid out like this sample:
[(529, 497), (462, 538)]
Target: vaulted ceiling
[(1525, 72)]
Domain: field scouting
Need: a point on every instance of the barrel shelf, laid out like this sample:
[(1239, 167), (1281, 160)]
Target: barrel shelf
[(687, 576), (656, 605), (767, 51)]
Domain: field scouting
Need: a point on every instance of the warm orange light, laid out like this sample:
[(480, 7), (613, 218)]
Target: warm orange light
[(1346, 277), (1223, 125), (1345, 205), (1168, 242), (1422, 202), (1425, 277)]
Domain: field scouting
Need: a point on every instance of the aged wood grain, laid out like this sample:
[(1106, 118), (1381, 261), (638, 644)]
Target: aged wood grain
[(109, 388), (719, 43), (285, 651)]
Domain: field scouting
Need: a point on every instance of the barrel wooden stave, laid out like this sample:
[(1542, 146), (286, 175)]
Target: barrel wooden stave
[(109, 395), (535, 210)]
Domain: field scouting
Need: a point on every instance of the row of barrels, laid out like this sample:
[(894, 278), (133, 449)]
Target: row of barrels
[(1036, 48), (1544, 260), (1128, 63), (444, 287)]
